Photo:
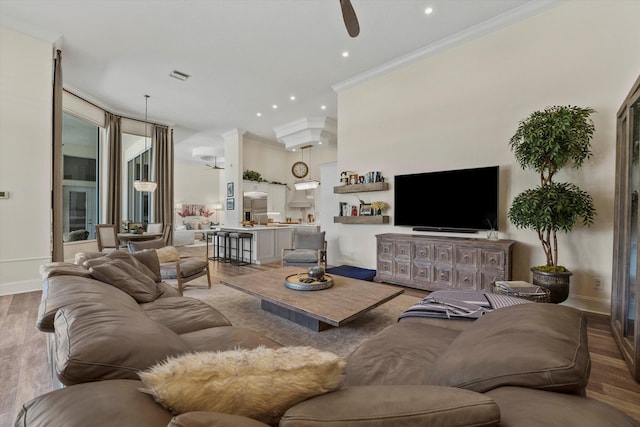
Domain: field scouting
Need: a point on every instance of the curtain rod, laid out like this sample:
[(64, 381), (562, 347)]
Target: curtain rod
[(102, 108)]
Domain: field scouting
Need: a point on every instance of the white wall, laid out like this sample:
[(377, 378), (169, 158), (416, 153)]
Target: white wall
[(25, 159), (198, 184), (459, 108)]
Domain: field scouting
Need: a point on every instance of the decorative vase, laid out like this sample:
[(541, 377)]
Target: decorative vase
[(557, 283), (378, 211)]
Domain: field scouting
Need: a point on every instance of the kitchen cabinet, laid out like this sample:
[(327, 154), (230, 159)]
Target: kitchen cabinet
[(277, 198), (254, 186)]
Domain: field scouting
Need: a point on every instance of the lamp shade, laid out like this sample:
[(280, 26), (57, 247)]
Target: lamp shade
[(145, 186)]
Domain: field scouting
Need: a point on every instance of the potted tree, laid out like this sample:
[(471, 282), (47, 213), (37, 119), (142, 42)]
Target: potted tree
[(545, 142)]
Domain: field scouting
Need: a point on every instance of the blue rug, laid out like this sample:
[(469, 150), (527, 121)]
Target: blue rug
[(352, 272)]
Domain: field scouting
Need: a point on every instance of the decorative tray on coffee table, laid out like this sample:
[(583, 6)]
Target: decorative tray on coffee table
[(302, 282)]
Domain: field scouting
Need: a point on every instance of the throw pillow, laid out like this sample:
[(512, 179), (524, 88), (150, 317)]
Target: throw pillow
[(168, 254), (129, 259), (128, 279), (533, 345), (261, 383), (149, 258)]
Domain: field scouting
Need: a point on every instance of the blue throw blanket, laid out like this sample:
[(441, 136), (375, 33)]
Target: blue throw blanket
[(460, 305)]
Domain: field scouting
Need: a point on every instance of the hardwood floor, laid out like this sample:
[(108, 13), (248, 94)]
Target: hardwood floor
[(23, 361)]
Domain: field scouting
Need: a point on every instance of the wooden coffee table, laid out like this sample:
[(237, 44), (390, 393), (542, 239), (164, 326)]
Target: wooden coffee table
[(346, 300)]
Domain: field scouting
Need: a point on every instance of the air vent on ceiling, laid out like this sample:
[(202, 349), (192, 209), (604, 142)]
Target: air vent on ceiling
[(179, 75)]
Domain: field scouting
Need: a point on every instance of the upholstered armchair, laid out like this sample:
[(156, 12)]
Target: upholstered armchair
[(309, 248), (172, 265)]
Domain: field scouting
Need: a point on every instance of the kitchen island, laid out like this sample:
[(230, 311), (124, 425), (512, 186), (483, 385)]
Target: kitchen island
[(269, 240)]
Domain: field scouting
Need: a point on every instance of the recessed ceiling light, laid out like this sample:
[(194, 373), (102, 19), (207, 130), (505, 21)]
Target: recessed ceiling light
[(259, 114), (324, 107), (428, 11), (274, 106), (345, 54), (292, 97), (319, 142)]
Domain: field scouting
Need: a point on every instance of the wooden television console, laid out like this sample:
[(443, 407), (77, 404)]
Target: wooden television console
[(434, 262)]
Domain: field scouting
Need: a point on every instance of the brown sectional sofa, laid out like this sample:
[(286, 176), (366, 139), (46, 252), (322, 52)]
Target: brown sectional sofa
[(525, 366)]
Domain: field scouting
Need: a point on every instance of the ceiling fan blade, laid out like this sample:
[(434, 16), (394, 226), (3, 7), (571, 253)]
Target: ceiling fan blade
[(350, 18)]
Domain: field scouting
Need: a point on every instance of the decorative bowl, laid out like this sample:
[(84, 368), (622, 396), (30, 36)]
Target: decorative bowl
[(316, 272)]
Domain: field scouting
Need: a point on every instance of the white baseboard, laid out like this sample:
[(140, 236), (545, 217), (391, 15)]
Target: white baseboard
[(20, 287)]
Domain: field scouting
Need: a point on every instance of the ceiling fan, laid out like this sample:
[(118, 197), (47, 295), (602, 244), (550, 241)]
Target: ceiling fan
[(350, 18), (214, 165)]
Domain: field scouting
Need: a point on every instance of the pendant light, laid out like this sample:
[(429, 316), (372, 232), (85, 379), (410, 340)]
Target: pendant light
[(309, 184), (148, 186)]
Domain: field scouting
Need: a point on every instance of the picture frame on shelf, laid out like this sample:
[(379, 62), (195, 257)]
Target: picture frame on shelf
[(231, 203), (365, 209), (229, 189), (353, 179)]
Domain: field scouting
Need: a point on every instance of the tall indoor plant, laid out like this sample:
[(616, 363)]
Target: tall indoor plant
[(545, 142)]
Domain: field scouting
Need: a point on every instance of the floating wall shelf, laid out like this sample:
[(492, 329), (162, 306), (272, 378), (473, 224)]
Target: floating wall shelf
[(361, 188), (362, 219)]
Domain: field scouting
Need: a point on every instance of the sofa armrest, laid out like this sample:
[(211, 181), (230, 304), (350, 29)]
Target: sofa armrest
[(396, 405)]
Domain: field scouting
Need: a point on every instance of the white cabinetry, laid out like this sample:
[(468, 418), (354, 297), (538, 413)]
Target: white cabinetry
[(262, 187), (276, 198)]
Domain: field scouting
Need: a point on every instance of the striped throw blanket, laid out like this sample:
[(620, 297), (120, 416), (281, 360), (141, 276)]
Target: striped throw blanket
[(460, 304)]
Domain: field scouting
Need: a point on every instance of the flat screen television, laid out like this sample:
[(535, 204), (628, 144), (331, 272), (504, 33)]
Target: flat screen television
[(462, 200)]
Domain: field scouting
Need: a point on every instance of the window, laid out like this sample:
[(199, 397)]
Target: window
[(138, 168), (80, 184)]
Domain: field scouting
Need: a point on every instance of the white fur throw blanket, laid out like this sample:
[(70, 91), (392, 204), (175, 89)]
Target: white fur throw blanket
[(261, 383)]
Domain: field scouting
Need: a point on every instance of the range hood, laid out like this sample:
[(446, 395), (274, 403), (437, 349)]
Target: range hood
[(301, 199)]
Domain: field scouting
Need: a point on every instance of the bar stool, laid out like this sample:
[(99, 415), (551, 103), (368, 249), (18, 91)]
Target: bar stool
[(221, 240), (239, 239), (210, 238)]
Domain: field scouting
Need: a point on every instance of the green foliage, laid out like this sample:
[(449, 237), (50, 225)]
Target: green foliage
[(546, 141), (551, 268), (250, 175)]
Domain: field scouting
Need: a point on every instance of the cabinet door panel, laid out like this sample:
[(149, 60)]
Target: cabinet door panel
[(442, 275), (466, 256), (403, 250), (402, 269), (465, 279), (492, 259), (444, 253)]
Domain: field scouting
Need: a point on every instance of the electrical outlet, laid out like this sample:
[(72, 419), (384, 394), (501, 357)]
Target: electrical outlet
[(598, 283)]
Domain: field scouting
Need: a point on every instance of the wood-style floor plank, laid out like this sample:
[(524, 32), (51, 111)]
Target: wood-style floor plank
[(24, 366)]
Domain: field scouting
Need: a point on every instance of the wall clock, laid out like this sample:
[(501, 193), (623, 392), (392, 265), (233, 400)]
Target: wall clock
[(299, 169)]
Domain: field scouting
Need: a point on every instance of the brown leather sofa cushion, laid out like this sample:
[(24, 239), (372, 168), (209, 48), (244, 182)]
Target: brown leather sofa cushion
[(525, 407), (99, 341), (225, 338), (51, 269), (397, 406), (59, 291), (400, 354), (127, 278), (530, 345), (115, 403), (184, 314), (213, 419)]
